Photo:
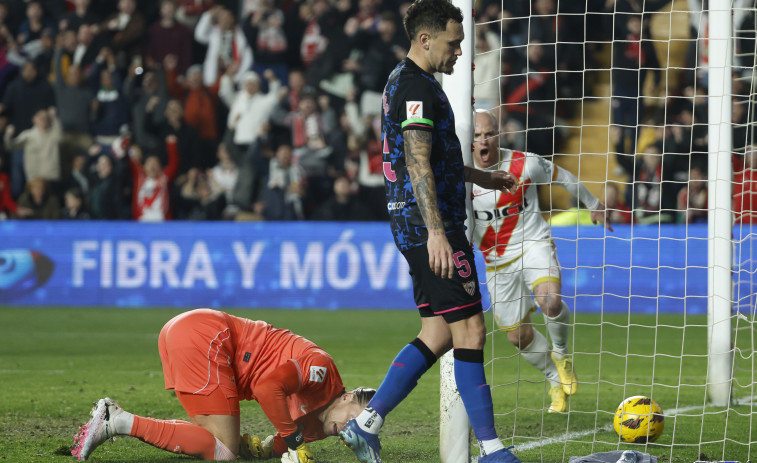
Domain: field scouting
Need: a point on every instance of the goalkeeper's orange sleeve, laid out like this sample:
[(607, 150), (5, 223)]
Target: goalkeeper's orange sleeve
[(271, 392)]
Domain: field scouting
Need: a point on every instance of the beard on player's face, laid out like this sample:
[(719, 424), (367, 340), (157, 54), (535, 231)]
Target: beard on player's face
[(448, 67), (444, 48), (442, 63)]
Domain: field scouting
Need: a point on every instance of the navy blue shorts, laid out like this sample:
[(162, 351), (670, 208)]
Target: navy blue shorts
[(456, 298)]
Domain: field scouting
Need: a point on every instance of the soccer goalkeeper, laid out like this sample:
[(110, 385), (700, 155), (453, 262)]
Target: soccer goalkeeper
[(212, 360), (520, 256)]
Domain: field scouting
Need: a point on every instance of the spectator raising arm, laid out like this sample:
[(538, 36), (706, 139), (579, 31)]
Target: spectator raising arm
[(151, 196)]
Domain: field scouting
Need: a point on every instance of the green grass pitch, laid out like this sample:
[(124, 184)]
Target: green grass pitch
[(54, 362)]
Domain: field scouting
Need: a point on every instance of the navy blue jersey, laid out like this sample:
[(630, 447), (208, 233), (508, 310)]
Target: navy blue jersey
[(414, 100)]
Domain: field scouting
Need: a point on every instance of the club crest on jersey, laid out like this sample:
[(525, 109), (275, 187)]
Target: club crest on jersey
[(470, 287), (317, 374), (414, 109)]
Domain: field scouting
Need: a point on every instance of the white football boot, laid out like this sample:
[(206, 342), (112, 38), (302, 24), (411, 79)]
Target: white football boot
[(99, 429)]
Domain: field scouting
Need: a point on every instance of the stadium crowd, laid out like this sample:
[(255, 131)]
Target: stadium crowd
[(201, 110), (658, 131), (269, 109)]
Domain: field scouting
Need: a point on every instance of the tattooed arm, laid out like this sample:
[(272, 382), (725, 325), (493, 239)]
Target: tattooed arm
[(418, 160)]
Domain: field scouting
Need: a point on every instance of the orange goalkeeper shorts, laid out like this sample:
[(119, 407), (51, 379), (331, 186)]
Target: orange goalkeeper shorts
[(196, 352)]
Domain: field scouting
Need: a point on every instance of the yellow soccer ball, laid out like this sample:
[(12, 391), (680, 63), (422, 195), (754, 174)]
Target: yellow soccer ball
[(638, 419)]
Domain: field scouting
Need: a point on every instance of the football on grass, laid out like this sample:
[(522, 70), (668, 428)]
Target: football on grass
[(638, 419)]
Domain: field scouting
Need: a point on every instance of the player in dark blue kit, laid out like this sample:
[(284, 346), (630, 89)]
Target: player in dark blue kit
[(425, 190)]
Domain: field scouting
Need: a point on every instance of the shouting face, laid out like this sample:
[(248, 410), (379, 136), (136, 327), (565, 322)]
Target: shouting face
[(485, 141)]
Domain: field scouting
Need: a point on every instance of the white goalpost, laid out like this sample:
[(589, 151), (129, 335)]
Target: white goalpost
[(662, 308), (454, 432), (720, 217)]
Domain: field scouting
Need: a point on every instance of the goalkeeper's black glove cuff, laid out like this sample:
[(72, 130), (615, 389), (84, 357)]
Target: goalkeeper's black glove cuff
[(294, 440)]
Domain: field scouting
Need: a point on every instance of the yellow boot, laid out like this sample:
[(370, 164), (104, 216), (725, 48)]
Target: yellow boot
[(567, 375)]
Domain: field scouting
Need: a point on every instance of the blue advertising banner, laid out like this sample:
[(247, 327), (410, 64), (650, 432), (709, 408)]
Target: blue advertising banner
[(317, 265), (191, 264)]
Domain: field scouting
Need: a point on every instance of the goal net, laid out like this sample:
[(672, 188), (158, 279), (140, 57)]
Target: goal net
[(650, 105)]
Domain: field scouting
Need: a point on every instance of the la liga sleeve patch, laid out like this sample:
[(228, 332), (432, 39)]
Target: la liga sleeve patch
[(414, 117), (317, 374), (414, 110)]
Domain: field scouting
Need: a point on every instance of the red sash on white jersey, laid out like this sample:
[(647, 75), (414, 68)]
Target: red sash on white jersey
[(513, 206)]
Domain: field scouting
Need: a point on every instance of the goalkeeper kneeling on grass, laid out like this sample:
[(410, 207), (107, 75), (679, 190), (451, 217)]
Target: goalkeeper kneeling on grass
[(213, 360), (517, 246)]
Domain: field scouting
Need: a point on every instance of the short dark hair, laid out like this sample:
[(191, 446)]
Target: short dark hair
[(430, 14), (363, 395)]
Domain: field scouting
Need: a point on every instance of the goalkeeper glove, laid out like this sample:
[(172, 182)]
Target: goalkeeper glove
[(301, 454), (253, 448)]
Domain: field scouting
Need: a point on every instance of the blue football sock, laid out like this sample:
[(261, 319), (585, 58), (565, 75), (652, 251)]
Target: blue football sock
[(403, 375), (475, 392)]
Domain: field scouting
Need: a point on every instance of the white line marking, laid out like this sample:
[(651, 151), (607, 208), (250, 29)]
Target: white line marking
[(577, 434), (49, 372)]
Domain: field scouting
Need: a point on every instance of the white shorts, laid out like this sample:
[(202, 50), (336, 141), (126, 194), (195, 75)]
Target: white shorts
[(511, 284)]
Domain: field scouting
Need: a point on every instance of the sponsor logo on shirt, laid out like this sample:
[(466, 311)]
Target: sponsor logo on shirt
[(317, 374), (499, 213), (395, 206), (414, 109), (246, 357)]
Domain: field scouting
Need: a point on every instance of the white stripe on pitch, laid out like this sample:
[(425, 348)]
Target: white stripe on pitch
[(578, 434)]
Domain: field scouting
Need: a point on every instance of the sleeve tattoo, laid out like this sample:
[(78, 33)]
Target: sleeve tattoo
[(417, 158)]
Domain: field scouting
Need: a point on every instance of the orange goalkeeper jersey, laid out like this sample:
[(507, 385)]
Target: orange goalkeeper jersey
[(288, 375)]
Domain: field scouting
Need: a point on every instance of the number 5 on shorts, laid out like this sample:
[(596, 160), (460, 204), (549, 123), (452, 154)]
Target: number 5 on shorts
[(462, 265)]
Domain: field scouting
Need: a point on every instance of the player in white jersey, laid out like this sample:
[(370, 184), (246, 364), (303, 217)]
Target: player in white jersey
[(520, 257)]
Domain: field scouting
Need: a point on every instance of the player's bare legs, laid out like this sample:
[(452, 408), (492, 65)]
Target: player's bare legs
[(469, 333), (548, 297), (435, 333), (557, 319)]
